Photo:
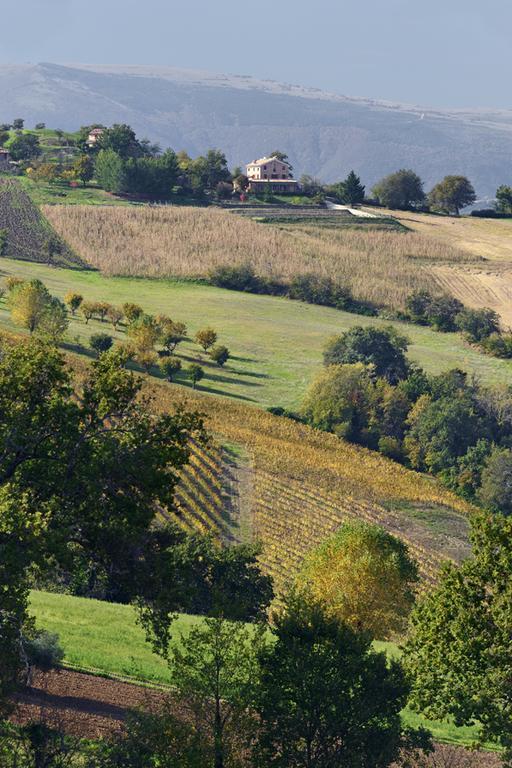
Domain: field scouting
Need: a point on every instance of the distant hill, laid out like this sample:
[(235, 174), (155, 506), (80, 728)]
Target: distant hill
[(325, 135)]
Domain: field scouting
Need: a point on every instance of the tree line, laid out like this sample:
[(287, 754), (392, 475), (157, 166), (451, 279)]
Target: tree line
[(448, 425)]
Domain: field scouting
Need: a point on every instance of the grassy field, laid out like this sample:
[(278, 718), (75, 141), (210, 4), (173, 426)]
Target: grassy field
[(105, 637), (61, 193), (380, 265), (276, 343)]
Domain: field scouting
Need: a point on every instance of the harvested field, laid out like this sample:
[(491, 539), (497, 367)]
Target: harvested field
[(479, 287), (167, 241)]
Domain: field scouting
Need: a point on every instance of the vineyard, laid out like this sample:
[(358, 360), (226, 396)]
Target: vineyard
[(304, 484), (26, 234)]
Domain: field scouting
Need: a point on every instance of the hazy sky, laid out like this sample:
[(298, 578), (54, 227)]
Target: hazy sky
[(435, 52)]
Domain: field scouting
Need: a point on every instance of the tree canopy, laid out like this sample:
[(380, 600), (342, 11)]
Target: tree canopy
[(400, 190), (452, 194), (382, 348), (458, 655), (364, 577)]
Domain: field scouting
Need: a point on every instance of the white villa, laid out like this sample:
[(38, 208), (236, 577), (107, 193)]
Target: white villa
[(271, 171)]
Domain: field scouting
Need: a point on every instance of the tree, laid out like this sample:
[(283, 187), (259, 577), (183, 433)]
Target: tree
[(477, 324), (73, 301), (170, 366), (47, 172), (215, 671), (458, 654), (382, 348), (80, 479), (101, 342), (144, 332), (132, 311), (102, 308), (326, 698), (496, 484), (504, 199), (4, 137), (338, 401), (452, 194), (401, 190), (351, 191), (25, 146), (146, 358), (196, 373), (207, 171), (88, 310), (28, 301), (173, 333), (441, 430), (83, 168), (18, 124), (206, 338), (110, 171), (220, 355), (53, 322), (114, 315), (363, 577), (121, 140)]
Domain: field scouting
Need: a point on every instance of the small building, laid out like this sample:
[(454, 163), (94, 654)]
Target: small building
[(94, 135), (5, 160), (271, 172)]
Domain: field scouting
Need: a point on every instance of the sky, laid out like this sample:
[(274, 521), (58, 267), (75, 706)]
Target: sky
[(445, 53)]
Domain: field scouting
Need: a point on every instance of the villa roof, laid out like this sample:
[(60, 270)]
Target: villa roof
[(264, 160)]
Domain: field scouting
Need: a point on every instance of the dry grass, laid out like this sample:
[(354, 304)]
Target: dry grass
[(380, 266)]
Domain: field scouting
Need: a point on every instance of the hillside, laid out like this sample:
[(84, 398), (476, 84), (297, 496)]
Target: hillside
[(27, 235), (324, 134)]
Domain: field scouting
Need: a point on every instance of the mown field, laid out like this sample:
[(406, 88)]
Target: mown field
[(276, 343), (180, 242), (105, 638)]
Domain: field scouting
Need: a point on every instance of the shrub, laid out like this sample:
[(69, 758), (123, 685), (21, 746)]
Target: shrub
[(43, 650), (477, 324), (496, 490), (101, 342), (498, 345), (417, 305), (219, 354), (101, 309), (442, 311), (240, 277), (146, 358), (315, 289)]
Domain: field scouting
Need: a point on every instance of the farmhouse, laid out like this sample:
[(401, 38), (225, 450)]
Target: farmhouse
[(273, 172), (94, 135)]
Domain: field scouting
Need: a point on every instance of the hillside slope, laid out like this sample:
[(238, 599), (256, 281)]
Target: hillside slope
[(324, 134)]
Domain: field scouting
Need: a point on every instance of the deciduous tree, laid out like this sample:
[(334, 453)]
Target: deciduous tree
[(452, 194)]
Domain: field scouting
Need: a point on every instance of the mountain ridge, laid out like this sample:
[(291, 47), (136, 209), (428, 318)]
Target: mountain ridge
[(325, 134)]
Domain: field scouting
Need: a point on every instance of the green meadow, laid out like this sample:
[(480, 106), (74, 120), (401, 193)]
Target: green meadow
[(276, 344)]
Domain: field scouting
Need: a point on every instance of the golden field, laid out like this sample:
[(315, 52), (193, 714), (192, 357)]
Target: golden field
[(187, 242)]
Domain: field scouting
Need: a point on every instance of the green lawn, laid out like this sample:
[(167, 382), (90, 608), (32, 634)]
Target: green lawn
[(104, 637), (61, 193), (276, 343)]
